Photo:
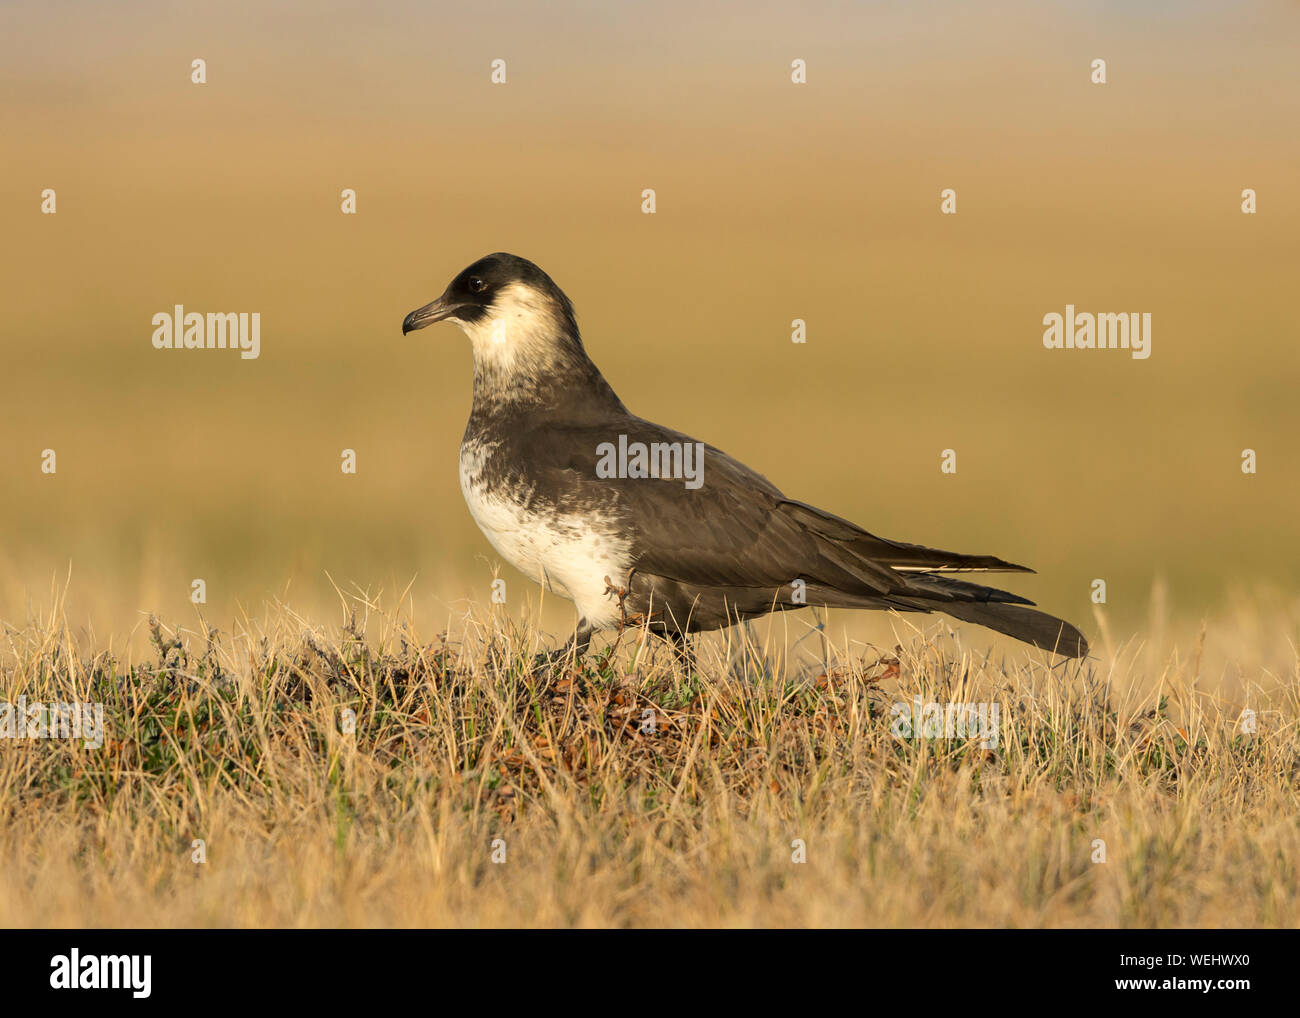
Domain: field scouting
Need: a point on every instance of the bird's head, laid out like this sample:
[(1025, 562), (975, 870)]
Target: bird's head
[(512, 311), (527, 349)]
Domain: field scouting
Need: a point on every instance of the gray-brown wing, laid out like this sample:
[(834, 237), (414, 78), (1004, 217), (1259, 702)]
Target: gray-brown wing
[(735, 529)]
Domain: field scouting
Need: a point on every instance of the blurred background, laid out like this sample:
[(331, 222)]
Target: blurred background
[(775, 201)]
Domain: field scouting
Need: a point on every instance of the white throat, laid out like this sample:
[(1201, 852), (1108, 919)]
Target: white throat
[(517, 336)]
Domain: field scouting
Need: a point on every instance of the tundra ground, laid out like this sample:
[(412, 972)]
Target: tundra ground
[(366, 776)]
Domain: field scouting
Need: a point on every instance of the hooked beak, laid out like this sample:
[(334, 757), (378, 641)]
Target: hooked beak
[(435, 311)]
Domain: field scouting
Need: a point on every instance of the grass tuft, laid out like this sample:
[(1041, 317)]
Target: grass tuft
[(366, 776)]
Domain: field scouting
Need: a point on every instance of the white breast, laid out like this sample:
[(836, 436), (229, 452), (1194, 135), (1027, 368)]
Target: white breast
[(567, 554)]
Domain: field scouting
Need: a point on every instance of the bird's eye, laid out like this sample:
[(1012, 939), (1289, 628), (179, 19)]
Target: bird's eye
[(477, 285)]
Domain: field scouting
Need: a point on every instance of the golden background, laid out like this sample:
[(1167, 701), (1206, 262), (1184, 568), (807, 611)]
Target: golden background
[(775, 202)]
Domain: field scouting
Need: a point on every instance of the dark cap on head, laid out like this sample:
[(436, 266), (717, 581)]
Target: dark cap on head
[(470, 295)]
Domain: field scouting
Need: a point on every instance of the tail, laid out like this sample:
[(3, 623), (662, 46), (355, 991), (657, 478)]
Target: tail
[(1027, 624), (999, 610), (911, 577)]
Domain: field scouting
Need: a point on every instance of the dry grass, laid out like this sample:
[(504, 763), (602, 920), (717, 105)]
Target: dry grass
[(240, 742)]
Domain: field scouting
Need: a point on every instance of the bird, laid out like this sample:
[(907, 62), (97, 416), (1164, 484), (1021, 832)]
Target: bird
[(553, 468)]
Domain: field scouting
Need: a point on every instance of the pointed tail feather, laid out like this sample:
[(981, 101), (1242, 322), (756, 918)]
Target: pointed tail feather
[(880, 551), (1027, 624)]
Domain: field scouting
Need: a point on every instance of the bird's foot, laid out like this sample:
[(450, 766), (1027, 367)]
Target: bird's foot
[(550, 663)]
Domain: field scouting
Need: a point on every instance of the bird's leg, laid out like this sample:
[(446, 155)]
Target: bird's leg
[(682, 649), (581, 639), (577, 644)]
